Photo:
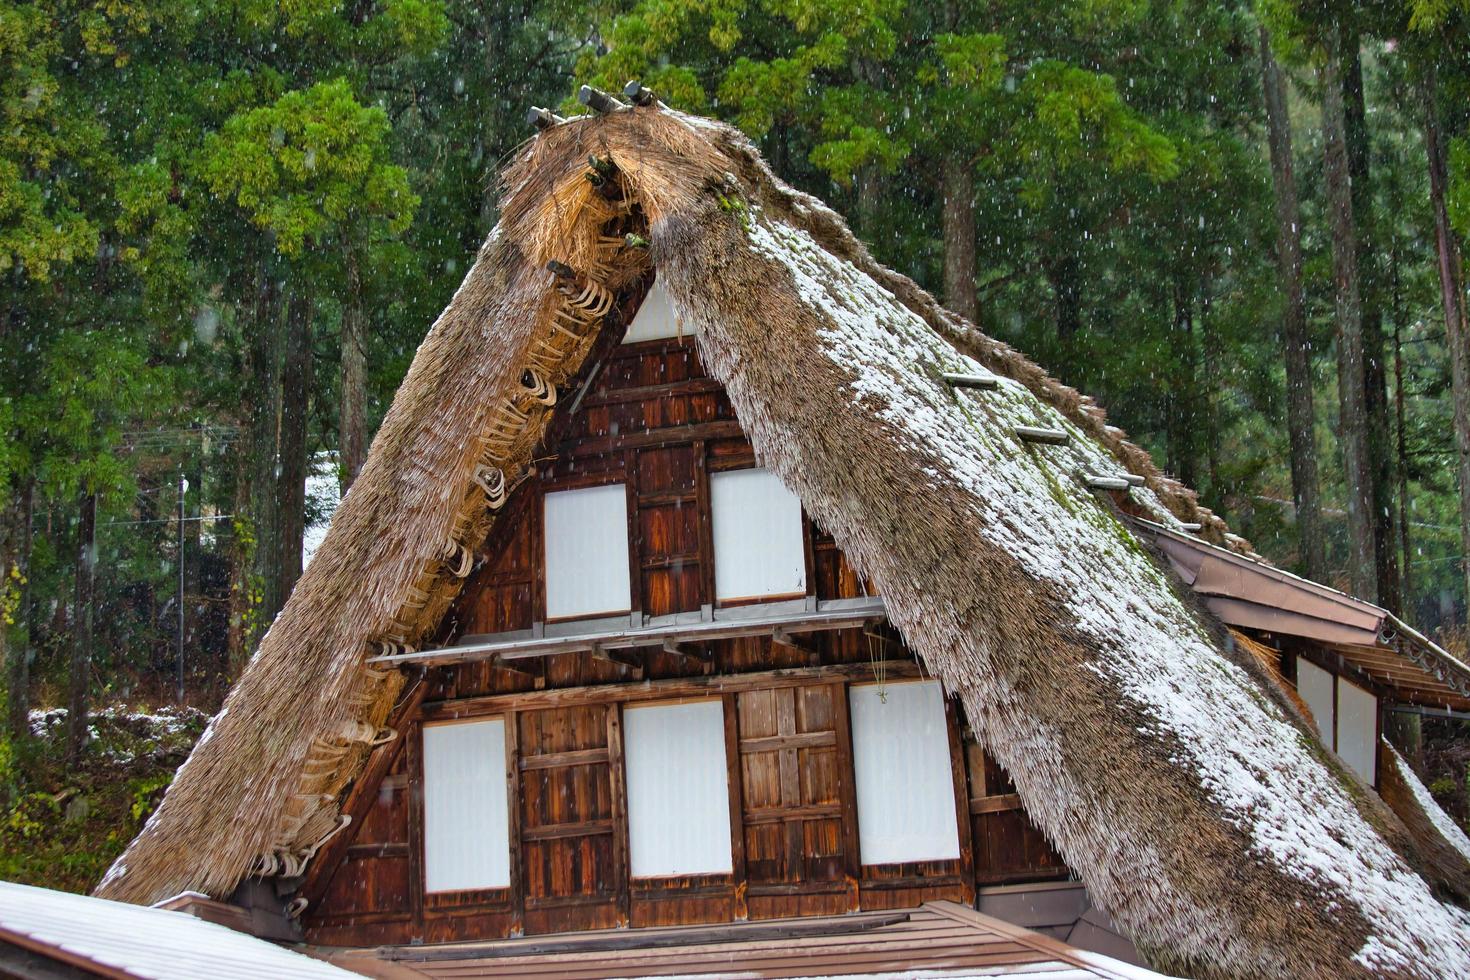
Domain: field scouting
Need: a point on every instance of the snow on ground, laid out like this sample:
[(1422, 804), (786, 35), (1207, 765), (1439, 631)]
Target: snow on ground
[(1250, 760), (323, 494)]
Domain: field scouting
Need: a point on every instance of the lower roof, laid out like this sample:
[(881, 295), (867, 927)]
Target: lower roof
[(97, 937), (938, 939)]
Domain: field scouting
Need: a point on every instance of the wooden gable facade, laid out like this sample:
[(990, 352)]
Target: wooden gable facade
[(772, 684)]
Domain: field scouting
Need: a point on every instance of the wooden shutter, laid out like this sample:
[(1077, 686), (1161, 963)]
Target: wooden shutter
[(795, 791)]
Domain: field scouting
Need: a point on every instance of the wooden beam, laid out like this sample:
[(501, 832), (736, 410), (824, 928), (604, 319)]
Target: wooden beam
[(835, 614), (542, 119), (624, 660), (490, 704), (782, 637), (1033, 433), (1107, 482), (635, 93), (978, 381), (518, 667), (597, 100), (703, 655)]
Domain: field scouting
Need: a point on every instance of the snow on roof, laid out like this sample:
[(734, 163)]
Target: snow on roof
[(150, 943), (1249, 759)]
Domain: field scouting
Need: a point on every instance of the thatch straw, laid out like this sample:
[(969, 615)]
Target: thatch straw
[(1168, 769)]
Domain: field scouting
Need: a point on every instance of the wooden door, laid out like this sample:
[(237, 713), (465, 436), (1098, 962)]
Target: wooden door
[(572, 870), (795, 788)]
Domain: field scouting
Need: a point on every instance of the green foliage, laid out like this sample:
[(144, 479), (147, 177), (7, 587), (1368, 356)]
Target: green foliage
[(311, 162)]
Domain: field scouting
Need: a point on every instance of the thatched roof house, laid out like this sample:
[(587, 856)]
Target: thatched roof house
[(1160, 759)]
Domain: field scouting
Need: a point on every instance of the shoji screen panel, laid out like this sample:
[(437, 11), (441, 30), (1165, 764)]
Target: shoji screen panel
[(587, 552), (1315, 686), (466, 839), (678, 789), (1357, 729), (905, 783), (758, 542)]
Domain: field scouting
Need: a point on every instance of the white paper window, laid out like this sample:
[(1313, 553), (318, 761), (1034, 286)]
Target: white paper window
[(678, 789), (759, 549), (1357, 729), (466, 840), (905, 784), (587, 552), (1315, 686), (655, 319)]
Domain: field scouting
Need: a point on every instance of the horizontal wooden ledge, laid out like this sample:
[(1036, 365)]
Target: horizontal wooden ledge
[(775, 743), (996, 804), (561, 831), (741, 621), (655, 937), (810, 811), (673, 435), (489, 704), (620, 396), (560, 760)]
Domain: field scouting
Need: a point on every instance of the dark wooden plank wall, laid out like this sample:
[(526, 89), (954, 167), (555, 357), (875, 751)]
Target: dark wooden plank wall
[(655, 421)]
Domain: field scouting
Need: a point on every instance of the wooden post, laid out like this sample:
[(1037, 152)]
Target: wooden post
[(847, 776), (737, 806), (618, 790), (961, 799), (513, 824)]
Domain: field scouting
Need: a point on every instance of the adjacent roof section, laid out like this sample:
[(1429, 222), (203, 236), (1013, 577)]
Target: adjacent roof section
[(113, 939), (941, 939), (1248, 593)]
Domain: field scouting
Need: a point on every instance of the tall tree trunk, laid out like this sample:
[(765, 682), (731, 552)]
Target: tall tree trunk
[(79, 677), (264, 368), (960, 293), (1296, 339), (1370, 284), (1185, 413), (1064, 272), (242, 564), (352, 423), (1352, 399), (1457, 324), (18, 657), (1402, 469), (296, 384)]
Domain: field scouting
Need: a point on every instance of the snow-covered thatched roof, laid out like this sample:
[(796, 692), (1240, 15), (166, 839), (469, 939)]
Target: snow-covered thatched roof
[(1163, 764)]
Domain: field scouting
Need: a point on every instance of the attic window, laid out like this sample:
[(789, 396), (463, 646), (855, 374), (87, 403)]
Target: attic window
[(587, 552), (655, 319), (466, 837), (760, 552), (905, 785), (678, 789)]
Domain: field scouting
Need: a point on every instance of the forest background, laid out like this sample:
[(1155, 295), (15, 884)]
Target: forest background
[(225, 226)]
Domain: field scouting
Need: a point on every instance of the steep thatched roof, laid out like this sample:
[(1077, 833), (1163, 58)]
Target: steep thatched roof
[(1162, 763)]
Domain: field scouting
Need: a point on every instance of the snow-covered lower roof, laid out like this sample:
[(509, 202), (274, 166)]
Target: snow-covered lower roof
[(117, 939)]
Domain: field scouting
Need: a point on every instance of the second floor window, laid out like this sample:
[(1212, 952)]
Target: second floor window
[(587, 552), (760, 551)]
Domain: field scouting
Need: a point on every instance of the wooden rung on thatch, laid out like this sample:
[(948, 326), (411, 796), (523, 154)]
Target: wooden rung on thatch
[(1134, 480), (1032, 433), (977, 381), (1107, 482), (542, 119), (598, 101), (1188, 526), (635, 93)]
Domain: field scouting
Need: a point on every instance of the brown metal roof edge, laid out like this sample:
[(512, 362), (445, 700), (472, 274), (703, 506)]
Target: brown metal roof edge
[(1420, 651), (1451, 670), (1054, 948), (1317, 588)]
